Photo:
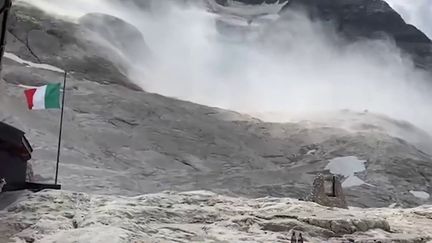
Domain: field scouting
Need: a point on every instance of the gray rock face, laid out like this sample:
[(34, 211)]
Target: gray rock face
[(202, 216), (42, 38), (118, 140), (121, 35)]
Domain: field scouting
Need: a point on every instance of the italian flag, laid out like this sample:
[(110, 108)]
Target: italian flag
[(44, 97)]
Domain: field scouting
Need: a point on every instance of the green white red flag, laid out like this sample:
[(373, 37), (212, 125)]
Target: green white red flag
[(43, 97)]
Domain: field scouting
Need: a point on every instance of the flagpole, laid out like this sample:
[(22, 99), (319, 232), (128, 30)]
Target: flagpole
[(61, 127)]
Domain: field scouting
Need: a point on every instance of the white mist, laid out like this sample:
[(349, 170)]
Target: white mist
[(294, 66)]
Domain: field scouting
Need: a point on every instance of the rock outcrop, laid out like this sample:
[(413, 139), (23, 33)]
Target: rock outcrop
[(121, 35), (61, 216), (42, 38)]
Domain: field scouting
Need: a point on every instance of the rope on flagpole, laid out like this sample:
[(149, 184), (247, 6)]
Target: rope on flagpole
[(61, 127)]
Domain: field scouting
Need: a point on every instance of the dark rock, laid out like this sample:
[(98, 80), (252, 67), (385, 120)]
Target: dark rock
[(29, 239), (365, 19), (370, 19)]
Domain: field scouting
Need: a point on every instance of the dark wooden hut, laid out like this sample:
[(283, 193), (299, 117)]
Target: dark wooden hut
[(15, 152)]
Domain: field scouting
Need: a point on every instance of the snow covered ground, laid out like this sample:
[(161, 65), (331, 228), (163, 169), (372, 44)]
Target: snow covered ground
[(17, 59), (420, 194), (201, 216)]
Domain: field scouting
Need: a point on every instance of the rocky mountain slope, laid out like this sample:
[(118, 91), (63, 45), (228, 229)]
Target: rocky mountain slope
[(119, 140), (202, 216)]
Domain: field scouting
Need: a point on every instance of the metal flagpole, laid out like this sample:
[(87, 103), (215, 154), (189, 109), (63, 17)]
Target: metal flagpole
[(61, 127), (5, 11)]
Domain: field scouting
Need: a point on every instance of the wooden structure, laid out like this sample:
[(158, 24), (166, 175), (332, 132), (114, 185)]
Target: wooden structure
[(15, 151)]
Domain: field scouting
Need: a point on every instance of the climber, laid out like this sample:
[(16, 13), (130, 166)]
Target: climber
[(296, 239), (293, 237), (300, 238)]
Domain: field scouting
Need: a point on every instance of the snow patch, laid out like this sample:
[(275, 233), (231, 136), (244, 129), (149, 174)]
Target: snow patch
[(15, 58), (347, 166), (353, 181), (420, 194)]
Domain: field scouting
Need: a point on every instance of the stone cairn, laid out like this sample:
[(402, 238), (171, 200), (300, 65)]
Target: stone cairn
[(327, 191)]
